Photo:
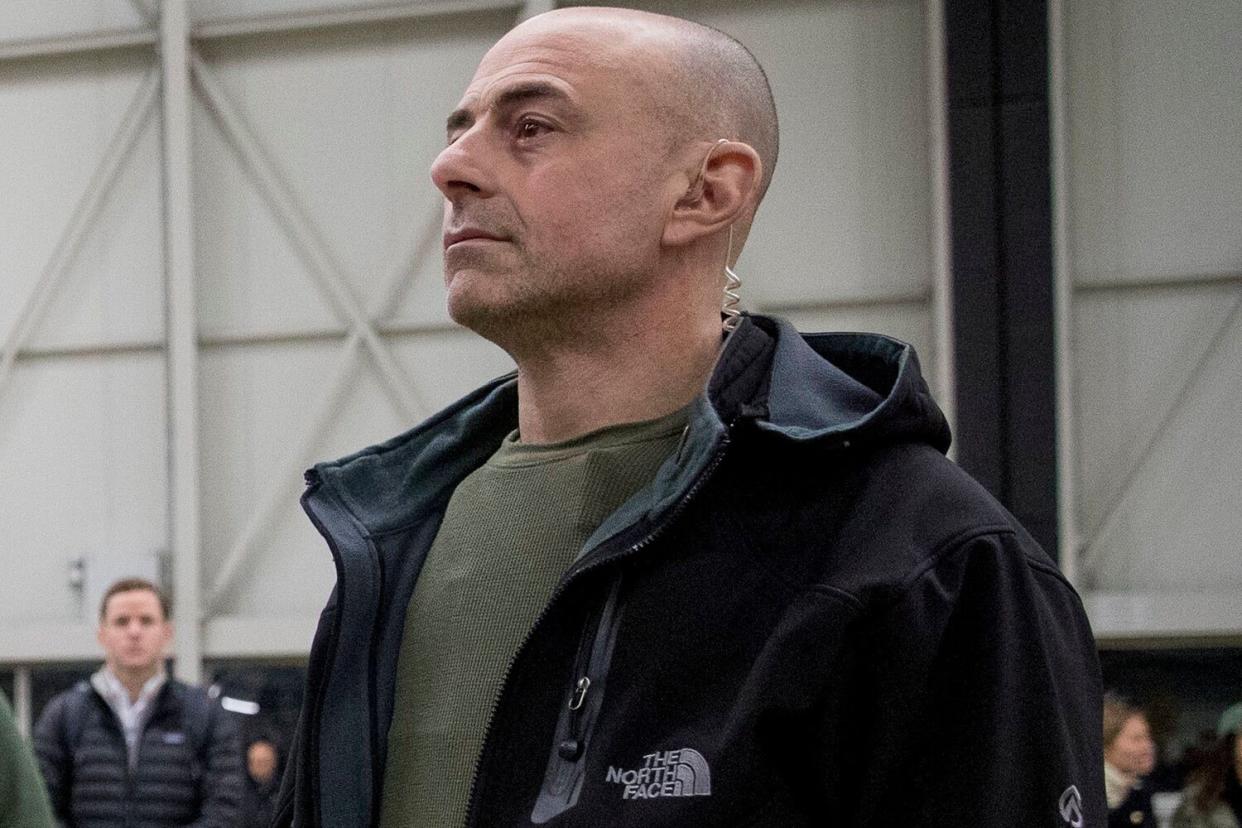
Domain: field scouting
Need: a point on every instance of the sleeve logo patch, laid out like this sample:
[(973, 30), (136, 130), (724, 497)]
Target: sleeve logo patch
[(1071, 807), (665, 773)]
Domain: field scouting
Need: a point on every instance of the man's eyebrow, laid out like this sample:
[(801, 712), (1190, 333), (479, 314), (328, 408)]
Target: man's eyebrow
[(530, 90)]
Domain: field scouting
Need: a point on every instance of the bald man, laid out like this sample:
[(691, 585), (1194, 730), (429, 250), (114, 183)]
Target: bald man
[(684, 567)]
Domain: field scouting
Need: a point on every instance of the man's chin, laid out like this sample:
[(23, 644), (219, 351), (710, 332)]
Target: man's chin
[(472, 303)]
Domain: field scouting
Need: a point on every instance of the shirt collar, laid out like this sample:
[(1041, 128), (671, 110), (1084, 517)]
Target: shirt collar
[(112, 689)]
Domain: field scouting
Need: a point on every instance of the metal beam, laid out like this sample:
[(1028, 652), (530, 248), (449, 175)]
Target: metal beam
[(1091, 553), (942, 226), (1069, 531), (307, 240), (1116, 617), (921, 298), (80, 222), (283, 492), (43, 642), (108, 40), (357, 16), (1120, 616), (57, 642), (182, 326), (1103, 283), (230, 339)]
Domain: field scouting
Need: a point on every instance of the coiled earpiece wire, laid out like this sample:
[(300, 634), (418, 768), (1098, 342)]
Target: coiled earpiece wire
[(731, 307), (732, 298)]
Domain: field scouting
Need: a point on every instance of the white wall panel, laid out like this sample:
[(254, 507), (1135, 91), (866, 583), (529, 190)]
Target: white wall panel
[(1155, 119), (1154, 200), (1178, 525), (1134, 352), (59, 117), (82, 445)]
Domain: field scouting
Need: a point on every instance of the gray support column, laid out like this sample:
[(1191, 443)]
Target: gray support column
[(22, 708), (942, 229), (1068, 526), (181, 335)]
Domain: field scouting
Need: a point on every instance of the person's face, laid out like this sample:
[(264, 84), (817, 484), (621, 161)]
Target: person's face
[(261, 761), (555, 177), (133, 631), (1133, 751)]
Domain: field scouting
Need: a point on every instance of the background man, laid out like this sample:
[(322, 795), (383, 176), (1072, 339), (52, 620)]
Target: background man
[(262, 783), (655, 578), (133, 746)]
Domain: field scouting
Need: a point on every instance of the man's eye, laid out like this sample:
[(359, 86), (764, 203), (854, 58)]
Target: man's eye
[(528, 128)]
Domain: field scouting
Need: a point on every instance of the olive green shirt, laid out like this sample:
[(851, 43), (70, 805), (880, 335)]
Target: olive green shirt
[(511, 529)]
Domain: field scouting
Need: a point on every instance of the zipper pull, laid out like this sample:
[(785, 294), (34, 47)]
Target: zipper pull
[(580, 692), (571, 748)]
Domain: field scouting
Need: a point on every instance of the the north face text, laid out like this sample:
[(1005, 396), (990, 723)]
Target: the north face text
[(665, 773)]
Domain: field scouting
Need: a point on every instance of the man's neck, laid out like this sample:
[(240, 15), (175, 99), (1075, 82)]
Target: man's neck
[(133, 680), (646, 372)]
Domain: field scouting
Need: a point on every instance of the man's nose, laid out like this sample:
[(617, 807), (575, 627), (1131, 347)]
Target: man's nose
[(461, 168)]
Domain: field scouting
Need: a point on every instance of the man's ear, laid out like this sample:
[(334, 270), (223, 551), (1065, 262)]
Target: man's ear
[(719, 195)]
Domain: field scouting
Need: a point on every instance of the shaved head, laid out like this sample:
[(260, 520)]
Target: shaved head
[(708, 85), (721, 92)]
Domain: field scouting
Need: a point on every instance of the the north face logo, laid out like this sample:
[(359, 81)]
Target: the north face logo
[(665, 773)]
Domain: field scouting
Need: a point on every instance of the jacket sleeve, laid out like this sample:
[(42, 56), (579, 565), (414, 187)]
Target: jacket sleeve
[(54, 757), (222, 773), (984, 706), (23, 802)]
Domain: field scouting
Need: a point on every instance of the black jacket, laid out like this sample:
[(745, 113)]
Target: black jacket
[(186, 774), (810, 617), (1134, 811)]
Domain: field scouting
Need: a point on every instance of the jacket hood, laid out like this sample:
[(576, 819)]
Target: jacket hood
[(855, 386), (836, 389)]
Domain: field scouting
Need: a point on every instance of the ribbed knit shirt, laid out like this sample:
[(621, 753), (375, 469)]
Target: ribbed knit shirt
[(511, 529)]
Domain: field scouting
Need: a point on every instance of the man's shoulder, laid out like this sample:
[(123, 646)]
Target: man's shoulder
[(871, 523), (191, 701), (71, 702)]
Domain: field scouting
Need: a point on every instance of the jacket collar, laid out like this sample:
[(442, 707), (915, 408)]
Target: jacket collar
[(817, 388)]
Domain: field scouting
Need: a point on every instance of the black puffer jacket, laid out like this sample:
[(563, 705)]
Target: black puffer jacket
[(186, 774)]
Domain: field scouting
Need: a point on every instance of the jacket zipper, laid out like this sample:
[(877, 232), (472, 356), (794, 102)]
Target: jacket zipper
[(473, 805), (563, 776), (592, 651), (569, 748)]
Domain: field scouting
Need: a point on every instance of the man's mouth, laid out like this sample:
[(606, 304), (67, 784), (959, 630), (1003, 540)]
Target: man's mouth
[(468, 234)]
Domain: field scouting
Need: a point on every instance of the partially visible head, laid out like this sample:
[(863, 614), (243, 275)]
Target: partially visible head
[(1229, 730), (261, 760), (584, 167), (1128, 745), (134, 627), (1220, 771)]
